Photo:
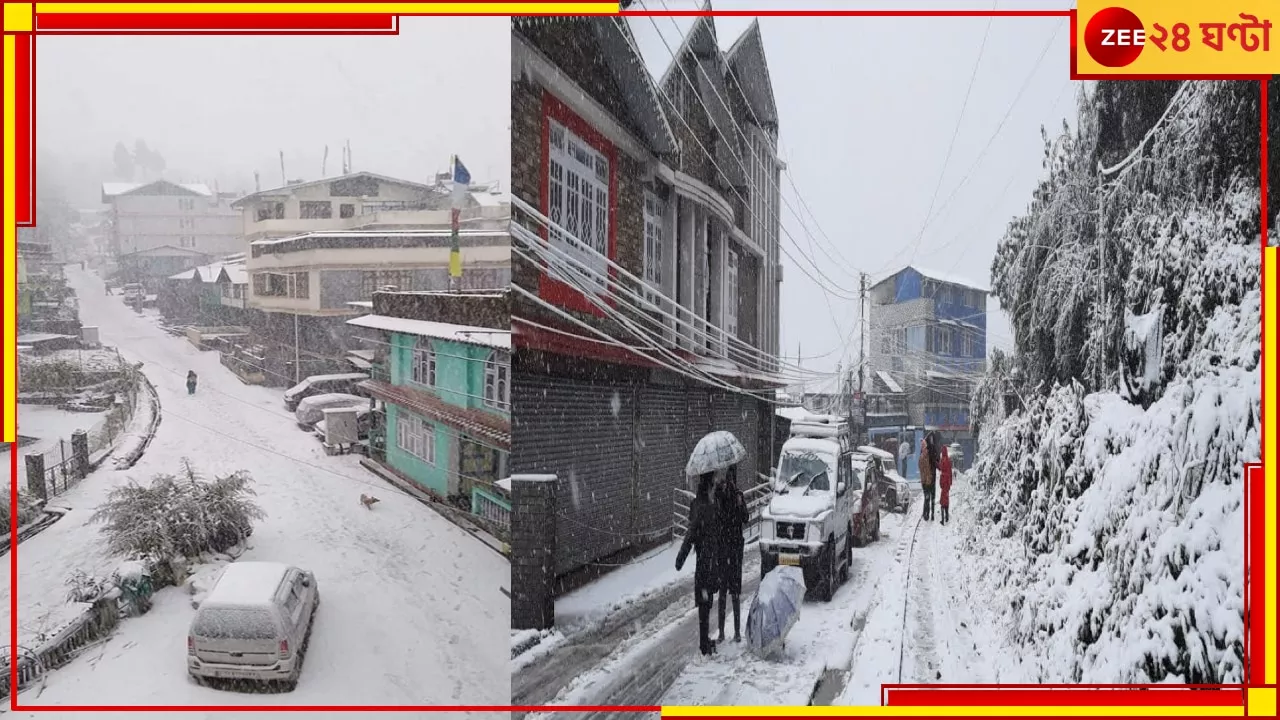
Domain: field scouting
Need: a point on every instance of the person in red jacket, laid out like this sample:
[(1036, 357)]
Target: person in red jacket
[(944, 481)]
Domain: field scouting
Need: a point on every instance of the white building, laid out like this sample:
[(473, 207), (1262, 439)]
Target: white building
[(360, 201), (159, 214)]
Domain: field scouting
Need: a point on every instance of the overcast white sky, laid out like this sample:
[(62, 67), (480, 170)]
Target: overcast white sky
[(222, 107), (868, 107)]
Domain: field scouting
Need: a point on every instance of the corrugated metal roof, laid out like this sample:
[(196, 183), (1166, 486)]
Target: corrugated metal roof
[(469, 334), (481, 424)]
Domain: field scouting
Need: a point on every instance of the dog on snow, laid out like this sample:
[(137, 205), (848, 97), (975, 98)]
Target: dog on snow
[(368, 501)]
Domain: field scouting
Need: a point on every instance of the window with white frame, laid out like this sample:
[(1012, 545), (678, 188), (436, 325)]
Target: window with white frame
[(943, 345), (497, 381), (424, 363), (578, 201), (731, 295), (416, 436), (655, 211)]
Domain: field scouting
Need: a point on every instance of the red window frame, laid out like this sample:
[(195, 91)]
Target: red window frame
[(550, 289)]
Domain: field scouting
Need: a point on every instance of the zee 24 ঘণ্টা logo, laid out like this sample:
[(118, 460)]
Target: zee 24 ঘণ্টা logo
[(1115, 37)]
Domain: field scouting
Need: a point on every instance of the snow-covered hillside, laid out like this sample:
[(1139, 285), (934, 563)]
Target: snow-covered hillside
[(1113, 441)]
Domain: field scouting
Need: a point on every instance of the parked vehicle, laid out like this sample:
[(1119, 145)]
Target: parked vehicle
[(895, 493), (347, 383), (957, 454), (820, 506), (254, 624), (364, 421), (311, 410), (866, 512), (132, 292)]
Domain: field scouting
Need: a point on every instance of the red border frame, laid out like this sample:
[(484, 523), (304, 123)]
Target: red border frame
[(550, 289), (320, 24)]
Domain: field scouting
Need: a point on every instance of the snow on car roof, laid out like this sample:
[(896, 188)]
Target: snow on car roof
[(337, 376), (330, 398), (828, 446), (870, 450), (247, 583)]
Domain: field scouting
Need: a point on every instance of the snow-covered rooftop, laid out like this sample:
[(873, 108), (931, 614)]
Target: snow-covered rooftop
[(30, 338), (944, 277), (357, 234), (888, 381), (472, 335), (247, 583), (117, 188), (209, 273)]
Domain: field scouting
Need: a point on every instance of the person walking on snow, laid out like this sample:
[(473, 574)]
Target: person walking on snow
[(926, 478), (944, 483), (704, 536), (731, 512), (191, 382), (904, 452)]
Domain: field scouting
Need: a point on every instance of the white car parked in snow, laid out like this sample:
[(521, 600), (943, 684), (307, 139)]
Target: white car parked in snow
[(311, 410), (254, 624)]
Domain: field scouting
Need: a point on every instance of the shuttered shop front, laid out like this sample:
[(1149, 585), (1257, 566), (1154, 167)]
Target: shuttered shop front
[(739, 415), (583, 433), (663, 446)]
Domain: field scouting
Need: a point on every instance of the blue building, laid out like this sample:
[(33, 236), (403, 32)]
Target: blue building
[(928, 336)]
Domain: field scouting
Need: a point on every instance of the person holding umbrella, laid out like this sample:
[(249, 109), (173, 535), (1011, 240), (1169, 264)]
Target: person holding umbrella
[(705, 537), (731, 511)]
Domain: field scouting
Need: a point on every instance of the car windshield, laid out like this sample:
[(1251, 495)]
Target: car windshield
[(805, 470)]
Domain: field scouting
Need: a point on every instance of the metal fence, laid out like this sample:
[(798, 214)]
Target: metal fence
[(757, 497), (60, 464)]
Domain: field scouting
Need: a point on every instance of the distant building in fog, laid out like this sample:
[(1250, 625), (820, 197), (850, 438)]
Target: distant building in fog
[(156, 229)]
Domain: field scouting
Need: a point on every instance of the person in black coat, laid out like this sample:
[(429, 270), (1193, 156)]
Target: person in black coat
[(704, 536), (731, 511), (191, 382)]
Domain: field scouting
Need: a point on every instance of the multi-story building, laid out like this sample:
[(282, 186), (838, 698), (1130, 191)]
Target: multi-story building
[(445, 389), (362, 201), (651, 245), (928, 346), (158, 228), (303, 287)]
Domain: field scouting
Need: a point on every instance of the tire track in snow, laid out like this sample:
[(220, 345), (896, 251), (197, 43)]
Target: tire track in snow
[(883, 633), (906, 595), (918, 613)]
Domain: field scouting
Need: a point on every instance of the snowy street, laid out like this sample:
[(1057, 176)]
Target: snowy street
[(910, 612), (414, 610)]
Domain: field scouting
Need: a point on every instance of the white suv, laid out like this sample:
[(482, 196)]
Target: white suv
[(254, 624), (809, 520)]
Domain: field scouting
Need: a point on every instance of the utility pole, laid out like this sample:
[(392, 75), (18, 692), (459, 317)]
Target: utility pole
[(862, 352), (297, 352)]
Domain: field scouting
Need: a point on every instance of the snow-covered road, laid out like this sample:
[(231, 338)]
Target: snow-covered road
[(910, 613), (414, 610)]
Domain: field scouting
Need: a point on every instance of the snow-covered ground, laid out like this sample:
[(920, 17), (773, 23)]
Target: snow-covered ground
[(917, 608), (49, 426), (413, 610)]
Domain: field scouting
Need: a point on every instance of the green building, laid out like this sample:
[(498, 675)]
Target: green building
[(446, 394)]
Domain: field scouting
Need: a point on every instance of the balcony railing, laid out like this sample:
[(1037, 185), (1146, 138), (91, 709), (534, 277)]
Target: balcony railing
[(654, 314)]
